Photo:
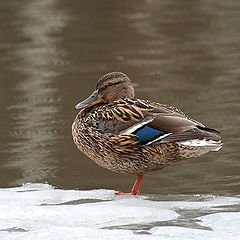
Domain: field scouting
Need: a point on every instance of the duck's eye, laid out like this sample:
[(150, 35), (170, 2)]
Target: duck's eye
[(113, 83), (110, 84)]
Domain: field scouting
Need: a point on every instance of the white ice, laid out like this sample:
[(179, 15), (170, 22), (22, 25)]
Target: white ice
[(39, 211)]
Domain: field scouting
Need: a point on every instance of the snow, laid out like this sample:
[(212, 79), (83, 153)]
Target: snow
[(39, 211)]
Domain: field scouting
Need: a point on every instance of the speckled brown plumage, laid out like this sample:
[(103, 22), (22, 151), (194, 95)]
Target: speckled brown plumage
[(129, 135)]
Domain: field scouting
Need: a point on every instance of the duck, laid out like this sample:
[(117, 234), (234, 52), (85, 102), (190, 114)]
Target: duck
[(128, 135)]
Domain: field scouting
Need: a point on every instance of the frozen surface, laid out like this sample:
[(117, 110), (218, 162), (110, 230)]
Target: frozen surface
[(39, 211)]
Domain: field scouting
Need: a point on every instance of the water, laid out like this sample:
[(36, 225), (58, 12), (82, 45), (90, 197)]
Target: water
[(182, 53)]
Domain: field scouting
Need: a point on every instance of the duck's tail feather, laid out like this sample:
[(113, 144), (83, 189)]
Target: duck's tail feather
[(196, 147), (196, 133), (195, 142)]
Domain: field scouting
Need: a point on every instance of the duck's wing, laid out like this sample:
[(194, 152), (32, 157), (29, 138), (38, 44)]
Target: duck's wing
[(179, 127), (153, 122)]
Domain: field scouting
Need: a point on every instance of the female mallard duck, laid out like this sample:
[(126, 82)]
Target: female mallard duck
[(129, 135)]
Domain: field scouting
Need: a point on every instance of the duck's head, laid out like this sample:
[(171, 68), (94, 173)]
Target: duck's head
[(110, 87)]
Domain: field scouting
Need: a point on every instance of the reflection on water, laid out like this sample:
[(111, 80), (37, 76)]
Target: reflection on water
[(35, 109)]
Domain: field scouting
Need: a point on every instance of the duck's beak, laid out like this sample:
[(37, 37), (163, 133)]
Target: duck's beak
[(91, 100)]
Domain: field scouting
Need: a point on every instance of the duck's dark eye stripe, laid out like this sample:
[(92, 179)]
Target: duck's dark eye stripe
[(109, 85), (102, 89)]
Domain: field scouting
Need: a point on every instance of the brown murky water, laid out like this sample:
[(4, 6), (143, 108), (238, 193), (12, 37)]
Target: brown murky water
[(184, 53)]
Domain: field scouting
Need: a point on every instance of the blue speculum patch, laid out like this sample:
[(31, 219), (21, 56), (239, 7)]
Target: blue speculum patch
[(146, 133)]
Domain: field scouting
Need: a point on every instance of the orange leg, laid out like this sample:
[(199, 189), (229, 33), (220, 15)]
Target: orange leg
[(136, 186)]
